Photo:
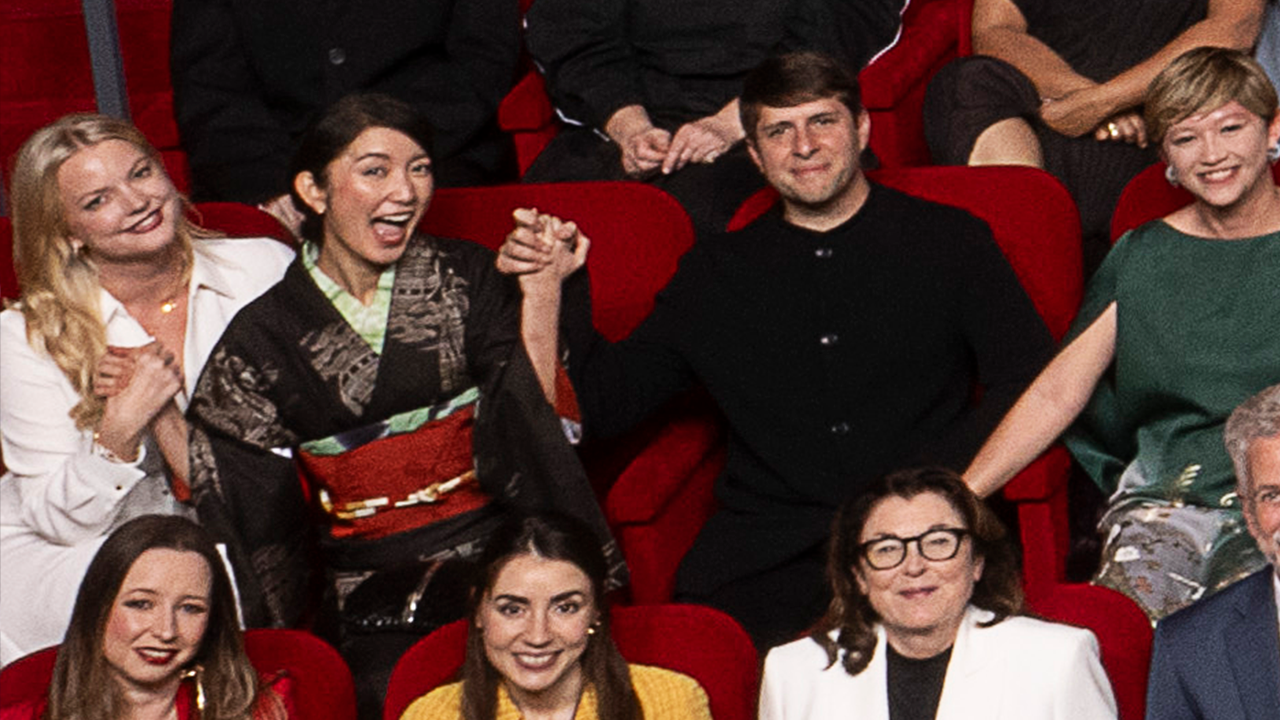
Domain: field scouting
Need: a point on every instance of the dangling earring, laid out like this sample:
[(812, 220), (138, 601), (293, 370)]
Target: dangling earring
[(592, 630), (196, 673), (1273, 153), (1171, 175)]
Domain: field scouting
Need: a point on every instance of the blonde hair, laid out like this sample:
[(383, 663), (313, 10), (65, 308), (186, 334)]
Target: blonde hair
[(1204, 79), (60, 289)]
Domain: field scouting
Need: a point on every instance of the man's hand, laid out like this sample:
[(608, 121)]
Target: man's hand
[(704, 140), (283, 209), (643, 147), (541, 248)]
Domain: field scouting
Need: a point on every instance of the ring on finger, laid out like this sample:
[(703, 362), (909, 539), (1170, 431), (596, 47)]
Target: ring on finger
[(1113, 130)]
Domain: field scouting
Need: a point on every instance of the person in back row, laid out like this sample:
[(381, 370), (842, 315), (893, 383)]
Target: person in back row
[(649, 88), (868, 316)]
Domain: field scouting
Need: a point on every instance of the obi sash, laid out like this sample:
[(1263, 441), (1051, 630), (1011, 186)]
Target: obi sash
[(403, 473)]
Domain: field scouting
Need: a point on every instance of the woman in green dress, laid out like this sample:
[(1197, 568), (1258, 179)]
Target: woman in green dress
[(1177, 328)]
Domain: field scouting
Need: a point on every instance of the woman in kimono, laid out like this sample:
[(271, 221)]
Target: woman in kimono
[(365, 368)]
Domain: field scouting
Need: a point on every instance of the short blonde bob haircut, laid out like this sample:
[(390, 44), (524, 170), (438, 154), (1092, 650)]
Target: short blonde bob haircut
[(60, 290), (1202, 80)]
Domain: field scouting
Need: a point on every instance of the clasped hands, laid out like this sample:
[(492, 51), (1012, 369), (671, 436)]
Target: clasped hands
[(541, 249), (139, 385), (647, 149), (1088, 110)]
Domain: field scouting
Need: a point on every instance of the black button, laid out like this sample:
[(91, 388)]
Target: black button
[(840, 428), (337, 56), (829, 339), (823, 253)]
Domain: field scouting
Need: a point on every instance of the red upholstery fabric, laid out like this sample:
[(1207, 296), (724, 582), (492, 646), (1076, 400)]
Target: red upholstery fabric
[(700, 642), (1149, 196), (8, 275), (659, 503), (1123, 632), (46, 71), (637, 232), (144, 52), (893, 86), (892, 90), (320, 683)]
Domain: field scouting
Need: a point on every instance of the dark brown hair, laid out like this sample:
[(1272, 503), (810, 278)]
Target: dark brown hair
[(998, 590), (553, 537), (82, 687), (339, 126), (794, 79)]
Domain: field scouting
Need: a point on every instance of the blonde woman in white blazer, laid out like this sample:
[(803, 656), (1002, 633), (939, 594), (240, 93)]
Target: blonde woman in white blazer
[(922, 626)]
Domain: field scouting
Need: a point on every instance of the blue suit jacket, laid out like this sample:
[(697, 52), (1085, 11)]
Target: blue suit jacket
[(1219, 658)]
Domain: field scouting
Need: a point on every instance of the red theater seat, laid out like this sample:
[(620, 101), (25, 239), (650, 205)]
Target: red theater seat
[(700, 642), (318, 681), (1123, 632), (1149, 196)]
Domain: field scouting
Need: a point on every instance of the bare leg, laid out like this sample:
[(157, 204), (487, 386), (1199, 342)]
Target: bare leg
[(1008, 142)]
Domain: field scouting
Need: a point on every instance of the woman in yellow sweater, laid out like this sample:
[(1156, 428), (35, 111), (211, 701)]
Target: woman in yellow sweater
[(539, 646)]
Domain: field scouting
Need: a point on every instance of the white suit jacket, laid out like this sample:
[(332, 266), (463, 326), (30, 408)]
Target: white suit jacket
[(1019, 669)]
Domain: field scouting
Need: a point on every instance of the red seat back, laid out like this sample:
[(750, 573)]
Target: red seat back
[(1123, 632), (320, 683), (702, 643), (1149, 196), (637, 233)]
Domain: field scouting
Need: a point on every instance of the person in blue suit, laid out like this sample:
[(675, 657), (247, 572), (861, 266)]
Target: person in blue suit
[(1220, 658)]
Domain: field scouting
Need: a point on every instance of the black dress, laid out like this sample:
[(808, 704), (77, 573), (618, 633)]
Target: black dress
[(1099, 39)]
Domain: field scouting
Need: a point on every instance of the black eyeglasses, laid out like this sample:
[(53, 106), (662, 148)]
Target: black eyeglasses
[(938, 544)]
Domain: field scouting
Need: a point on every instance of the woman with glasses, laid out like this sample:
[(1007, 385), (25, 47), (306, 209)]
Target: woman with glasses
[(922, 621)]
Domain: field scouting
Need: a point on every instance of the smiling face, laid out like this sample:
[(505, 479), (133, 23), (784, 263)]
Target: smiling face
[(1220, 156), (535, 620), (809, 153), (1262, 508), (372, 197), (118, 202), (158, 618), (920, 602)]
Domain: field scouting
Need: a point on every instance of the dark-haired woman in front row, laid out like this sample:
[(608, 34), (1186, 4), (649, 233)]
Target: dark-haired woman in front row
[(539, 645), (154, 634), (922, 622)]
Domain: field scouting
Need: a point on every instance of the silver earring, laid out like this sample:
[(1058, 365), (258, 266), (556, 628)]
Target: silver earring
[(1273, 153), (1171, 175)]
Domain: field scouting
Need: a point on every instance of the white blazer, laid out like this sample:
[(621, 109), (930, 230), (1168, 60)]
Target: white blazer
[(1019, 669)]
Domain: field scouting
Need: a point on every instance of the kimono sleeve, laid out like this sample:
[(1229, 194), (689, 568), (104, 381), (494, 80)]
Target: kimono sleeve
[(246, 487)]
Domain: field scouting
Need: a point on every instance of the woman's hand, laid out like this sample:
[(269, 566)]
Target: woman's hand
[(704, 140), (643, 146), (1078, 112), (541, 249), (113, 371), (282, 208), (1126, 127), (156, 377)]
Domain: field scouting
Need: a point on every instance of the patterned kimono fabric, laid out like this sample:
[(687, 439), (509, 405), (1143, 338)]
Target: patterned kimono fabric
[(415, 437)]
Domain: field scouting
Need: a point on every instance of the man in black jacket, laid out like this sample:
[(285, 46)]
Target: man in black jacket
[(840, 334)]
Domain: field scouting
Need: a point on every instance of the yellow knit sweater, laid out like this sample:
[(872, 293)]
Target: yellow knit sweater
[(664, 695)]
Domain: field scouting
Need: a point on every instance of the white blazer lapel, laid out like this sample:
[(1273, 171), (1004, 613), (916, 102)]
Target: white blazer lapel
[(971, 685)]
